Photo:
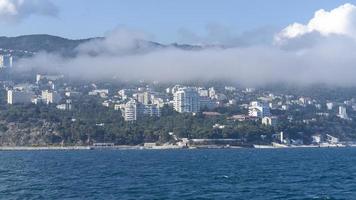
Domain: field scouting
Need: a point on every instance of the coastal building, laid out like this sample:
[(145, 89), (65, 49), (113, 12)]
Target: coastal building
[(50, 97), (212, 92), (342, 113), (329, 105), (175, 89), (103, 93), (19, 96), (130, 111), (134, 110), (260, 110), (144, 98), (65, 106), (269, 121), (206, 103), (331, 139), (152, 110), (186, 100), (5, 61), (316, 139), (203, 92)]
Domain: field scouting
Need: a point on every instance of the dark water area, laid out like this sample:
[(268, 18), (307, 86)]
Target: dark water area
[(180, 174)]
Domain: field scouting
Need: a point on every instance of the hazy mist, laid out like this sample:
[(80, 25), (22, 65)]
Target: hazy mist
[(301, 54)]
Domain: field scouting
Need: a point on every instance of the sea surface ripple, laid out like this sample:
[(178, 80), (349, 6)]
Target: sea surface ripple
[(180, 174)]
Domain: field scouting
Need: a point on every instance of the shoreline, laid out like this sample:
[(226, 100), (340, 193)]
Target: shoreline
[(169, 147)]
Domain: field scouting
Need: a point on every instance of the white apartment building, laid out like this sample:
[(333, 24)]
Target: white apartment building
[(19, 97), (133, 110), (257, 109), (130, 111), (342, 113), (186, 100), (5, 61)]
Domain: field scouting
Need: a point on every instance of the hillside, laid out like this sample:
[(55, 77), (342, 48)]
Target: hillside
[(26, 45)]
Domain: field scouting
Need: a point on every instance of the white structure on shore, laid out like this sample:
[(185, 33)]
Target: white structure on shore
[(186, 100), (331, 139), (19, 96), (5, 61), (316, 139), (258, 109)]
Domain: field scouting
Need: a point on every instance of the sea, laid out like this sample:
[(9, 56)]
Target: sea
[(310, 173)]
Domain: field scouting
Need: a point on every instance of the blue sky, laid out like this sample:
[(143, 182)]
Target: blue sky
[(163, 18)]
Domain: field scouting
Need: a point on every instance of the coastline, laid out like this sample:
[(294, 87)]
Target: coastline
[(164, 147)]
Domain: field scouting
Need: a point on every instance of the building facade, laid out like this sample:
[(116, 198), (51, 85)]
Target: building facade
[(260, 110), (186, 100), (5, 61), (50, 97), (19, 97)]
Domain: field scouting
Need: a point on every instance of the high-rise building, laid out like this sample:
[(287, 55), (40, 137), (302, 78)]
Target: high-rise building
[(342, 112), (152, 110), (19, 97), (134, 110), (186, 100), (212, 92), (207, 103), (130, 111), (144, 98), (258, 109), (5, 61)]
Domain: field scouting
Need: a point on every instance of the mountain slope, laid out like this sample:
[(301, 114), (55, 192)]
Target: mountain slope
[(36, 43), (27, 45)]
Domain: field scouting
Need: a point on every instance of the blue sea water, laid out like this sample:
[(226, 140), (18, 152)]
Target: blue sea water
[(180, 174)]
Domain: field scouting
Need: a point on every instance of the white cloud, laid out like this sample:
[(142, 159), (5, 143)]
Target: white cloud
[(121, 40), (318, 56), (339, 21), (16, 10)]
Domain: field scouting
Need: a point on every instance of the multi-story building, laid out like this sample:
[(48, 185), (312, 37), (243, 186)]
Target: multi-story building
[(50, 97), (257, 109), (19, 97), (134, 110), (152, 110), (65, 106), (130, 111), (269, 121), (186, 100), (5, 61), (207, 103), (144, 98), (329, 105), (342, 113), (203, 92)]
